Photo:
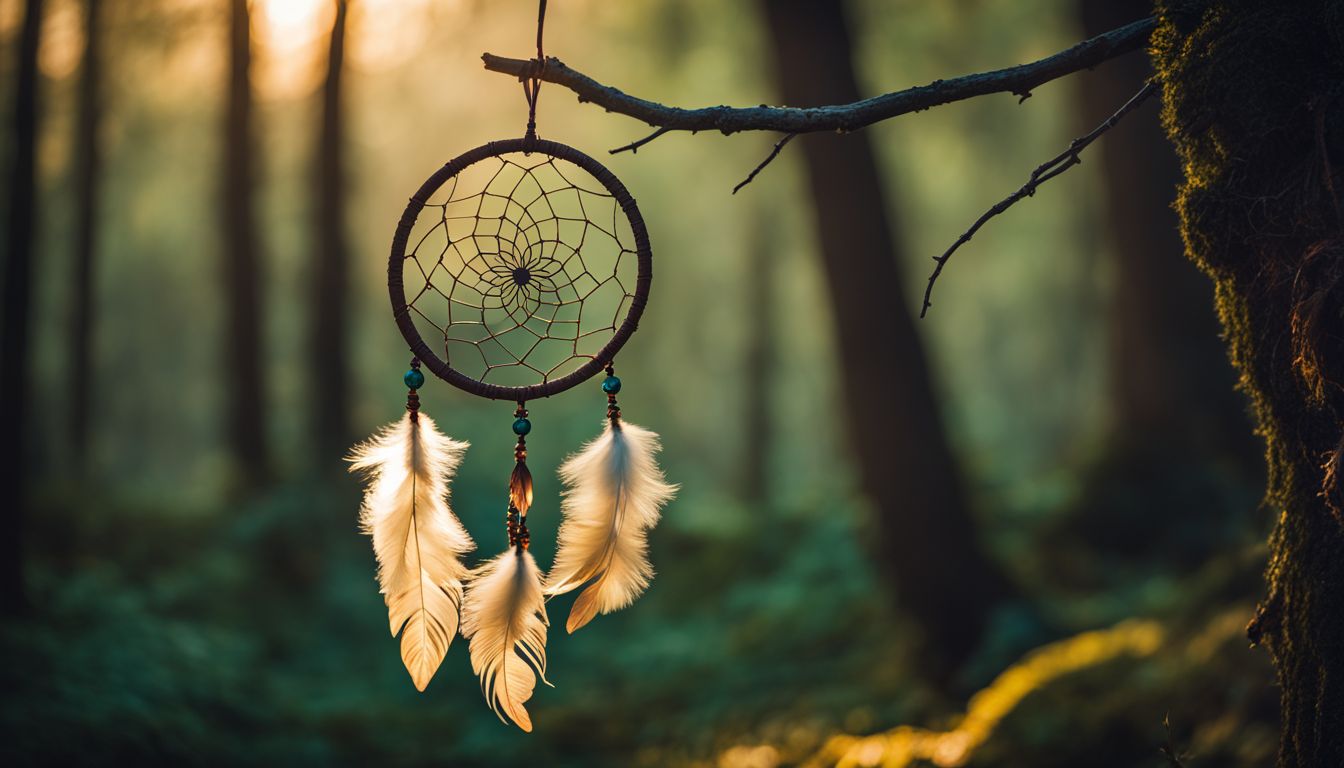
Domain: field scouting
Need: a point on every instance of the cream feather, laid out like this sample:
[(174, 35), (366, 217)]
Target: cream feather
[(504, 621), (614, 491), (417, 539)]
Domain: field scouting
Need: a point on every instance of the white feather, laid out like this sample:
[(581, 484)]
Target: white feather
[(614, 491), (417, 539), (504, 621)]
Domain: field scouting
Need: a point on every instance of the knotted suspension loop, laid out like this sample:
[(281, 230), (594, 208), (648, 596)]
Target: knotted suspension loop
[(532, 81)]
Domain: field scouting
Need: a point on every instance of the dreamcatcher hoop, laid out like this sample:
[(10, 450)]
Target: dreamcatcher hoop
[(596, 362)]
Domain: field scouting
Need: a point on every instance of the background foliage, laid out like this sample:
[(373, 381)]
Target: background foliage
[(183, 622)]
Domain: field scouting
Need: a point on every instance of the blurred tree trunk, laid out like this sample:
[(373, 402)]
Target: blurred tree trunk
[(87, 176), (17, 310), (758, 359), (1182, 465), (1255, 108), (926, 539), (330, 264), (1171, 381), (245, 417)]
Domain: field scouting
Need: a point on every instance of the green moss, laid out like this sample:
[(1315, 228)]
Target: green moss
[(1253, 103)]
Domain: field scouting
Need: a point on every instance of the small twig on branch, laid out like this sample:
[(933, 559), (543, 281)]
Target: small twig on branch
[(1019, 80), (633, 147), (1043, 173), (773, 154)]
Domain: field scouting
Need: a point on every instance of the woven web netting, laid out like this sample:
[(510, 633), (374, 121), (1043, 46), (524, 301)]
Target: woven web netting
[(522, 266)]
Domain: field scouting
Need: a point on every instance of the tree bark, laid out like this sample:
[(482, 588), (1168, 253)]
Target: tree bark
[(925, 537), (14, 337), (1254, 106), (330, 263), (87, 177), (245, 416)]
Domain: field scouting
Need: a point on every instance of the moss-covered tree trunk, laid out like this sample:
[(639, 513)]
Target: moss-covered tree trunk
[(1254, 101)]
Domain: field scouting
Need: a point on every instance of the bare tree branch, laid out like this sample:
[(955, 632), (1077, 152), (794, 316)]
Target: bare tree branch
[(633, 147), (1019, 80), (791, 121), (1043, 173)]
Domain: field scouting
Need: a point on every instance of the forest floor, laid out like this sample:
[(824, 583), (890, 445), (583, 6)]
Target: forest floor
[(259, 638)]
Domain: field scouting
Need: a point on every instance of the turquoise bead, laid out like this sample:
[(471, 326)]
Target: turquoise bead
[(521, 426), (414, 379), (611, 385)]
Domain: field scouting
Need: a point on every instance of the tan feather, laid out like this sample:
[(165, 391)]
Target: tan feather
[(504, 621), (614, 493), (417, 539)]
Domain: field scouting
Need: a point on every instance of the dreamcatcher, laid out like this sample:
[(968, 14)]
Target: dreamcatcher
[(517, 272)]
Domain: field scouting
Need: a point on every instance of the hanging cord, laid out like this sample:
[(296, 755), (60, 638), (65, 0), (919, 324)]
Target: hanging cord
[(532, 83), (520, 483)]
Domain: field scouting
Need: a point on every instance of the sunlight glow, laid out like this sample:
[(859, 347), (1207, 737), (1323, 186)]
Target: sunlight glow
[(287, 26), (62, 43), (290, 41), (903, 745), (385, 34), (762, 756)]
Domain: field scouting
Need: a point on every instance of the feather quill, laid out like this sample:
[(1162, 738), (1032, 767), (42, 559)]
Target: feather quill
[(614, 493), (417, 539), (504, 622)]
